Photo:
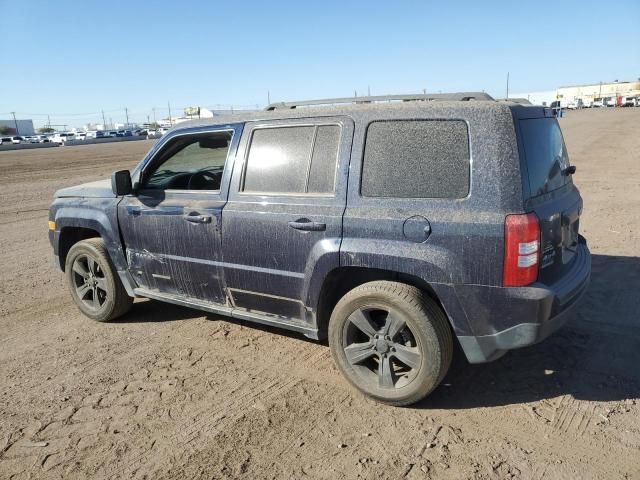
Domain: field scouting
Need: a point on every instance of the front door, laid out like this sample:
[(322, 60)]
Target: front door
[(171, 226), (282, 226)]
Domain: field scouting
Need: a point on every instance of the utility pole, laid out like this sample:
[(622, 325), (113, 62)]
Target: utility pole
[(15, 122), (507, 85), (169, 105), (368, 91), (48, 122), (154, 114), (126, 113), (268, 97), (104, 121)]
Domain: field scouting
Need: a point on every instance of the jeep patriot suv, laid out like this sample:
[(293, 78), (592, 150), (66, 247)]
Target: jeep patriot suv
[(389, 225)]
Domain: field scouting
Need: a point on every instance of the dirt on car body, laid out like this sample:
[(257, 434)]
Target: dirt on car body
[(168, 392)]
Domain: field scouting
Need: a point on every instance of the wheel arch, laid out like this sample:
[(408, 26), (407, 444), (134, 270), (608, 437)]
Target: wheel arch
[(343, 279), (69, 236)]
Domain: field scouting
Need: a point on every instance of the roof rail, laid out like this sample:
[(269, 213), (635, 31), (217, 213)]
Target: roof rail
[(416, 97), (521, 101)]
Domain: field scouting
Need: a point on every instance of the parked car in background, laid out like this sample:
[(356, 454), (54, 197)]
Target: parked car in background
[(17, 139), (610, 102), (62, 137), (629, 102), (368, 225), (598, 102), (80, 136), (575, 104), (44, 139), (6, 140), (112, 133), (162, 130)]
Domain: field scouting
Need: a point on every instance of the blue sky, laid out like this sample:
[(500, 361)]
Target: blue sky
[(72, 59)]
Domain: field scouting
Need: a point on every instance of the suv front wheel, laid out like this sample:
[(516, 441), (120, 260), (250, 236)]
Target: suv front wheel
[(391, 341), (95, 286)]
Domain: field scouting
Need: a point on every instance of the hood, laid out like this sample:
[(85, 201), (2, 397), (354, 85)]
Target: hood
[(99, 189)]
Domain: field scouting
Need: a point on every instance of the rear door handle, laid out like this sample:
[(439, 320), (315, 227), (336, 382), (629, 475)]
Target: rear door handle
[(198, 218), (307, 225)]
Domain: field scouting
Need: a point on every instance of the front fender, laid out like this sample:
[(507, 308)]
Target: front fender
[(98, 214)]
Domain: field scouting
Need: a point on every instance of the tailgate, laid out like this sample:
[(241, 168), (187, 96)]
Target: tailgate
[(559, 227), (550, 193)]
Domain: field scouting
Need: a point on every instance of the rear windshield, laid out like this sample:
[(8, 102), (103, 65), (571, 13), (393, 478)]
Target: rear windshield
[(546, 155)]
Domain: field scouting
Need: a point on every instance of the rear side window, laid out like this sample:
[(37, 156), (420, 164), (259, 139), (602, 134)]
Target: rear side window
[(416, 159), (545, 154), (292, 160)]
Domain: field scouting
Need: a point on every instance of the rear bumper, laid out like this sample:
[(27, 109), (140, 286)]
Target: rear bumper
[(506, 318)]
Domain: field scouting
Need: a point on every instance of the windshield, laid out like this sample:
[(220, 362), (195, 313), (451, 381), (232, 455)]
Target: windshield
[(546, 155)]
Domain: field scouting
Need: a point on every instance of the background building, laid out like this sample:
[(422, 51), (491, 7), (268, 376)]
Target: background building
[(593, 92), (25, 127)]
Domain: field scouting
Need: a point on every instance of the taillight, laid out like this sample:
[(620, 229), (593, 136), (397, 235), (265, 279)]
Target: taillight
[(521, 250)]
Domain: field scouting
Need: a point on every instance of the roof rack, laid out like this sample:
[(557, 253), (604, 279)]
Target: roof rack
[(417, 97)]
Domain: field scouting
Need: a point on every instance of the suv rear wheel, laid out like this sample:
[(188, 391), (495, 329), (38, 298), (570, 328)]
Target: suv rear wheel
[(95, 287), (391, 341)]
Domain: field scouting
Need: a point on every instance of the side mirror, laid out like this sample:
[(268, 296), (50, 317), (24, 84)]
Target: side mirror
[(121, 183)]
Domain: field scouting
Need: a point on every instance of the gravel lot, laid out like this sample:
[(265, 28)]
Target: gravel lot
[(168, 392)]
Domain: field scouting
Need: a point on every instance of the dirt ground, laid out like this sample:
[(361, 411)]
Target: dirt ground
[(168, 392)]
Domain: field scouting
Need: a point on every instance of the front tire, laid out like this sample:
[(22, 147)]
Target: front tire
[(94, 284), (391, 341)]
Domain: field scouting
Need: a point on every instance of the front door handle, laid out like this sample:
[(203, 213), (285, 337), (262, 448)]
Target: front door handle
[(307, 225), (198, 218)]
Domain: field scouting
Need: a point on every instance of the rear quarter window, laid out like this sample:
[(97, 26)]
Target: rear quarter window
[(416, 159), (545, 155)]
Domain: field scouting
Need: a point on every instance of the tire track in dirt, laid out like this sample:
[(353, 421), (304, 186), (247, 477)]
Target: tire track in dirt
[(211, 421), (599, 458)]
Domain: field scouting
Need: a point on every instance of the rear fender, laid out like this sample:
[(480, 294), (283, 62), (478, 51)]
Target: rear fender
[(431, 265)]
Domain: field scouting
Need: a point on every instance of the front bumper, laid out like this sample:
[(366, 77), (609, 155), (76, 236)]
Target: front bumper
[(506, 318)]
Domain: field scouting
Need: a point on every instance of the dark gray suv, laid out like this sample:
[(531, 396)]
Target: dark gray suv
[(391, 225)]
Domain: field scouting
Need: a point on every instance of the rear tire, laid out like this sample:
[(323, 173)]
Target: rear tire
[(391, 341), (94, 283)]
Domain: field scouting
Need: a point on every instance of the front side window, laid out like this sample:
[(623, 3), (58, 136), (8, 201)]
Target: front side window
[(190, 162), (292, 160), (416, 159)]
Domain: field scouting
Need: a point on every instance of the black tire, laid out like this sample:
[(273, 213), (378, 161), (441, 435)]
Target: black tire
[(375, 364), (98, 282)]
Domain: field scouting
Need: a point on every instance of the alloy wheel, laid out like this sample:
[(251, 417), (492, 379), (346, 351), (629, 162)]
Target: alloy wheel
[(381, 347), (89, 282)]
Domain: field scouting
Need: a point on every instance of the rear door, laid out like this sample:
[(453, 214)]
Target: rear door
[(550, 193), (282, 225), (171, 226)]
